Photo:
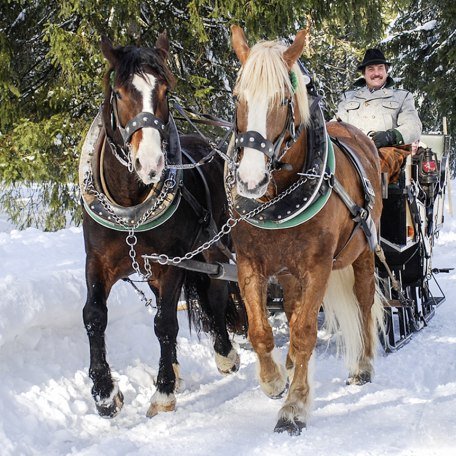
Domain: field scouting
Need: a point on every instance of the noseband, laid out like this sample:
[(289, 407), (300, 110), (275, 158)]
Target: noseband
[(142, 120), (272, 150)]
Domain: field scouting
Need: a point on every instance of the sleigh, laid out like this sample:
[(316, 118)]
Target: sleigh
[(413, 214)]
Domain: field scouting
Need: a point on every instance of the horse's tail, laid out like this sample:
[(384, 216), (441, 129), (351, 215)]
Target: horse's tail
[(202, 315), (343, 317)]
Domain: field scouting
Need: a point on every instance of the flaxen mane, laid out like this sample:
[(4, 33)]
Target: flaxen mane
[(265, 74)]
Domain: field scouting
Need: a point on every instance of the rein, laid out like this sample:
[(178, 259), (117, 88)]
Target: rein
[(207, 120)]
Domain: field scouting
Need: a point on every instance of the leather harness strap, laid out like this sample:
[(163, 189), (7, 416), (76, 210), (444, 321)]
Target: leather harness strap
[(361, 215), (369, 194), (205, 218)]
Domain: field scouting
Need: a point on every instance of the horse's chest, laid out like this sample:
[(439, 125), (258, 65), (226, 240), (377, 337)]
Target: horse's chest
[(285, 246)]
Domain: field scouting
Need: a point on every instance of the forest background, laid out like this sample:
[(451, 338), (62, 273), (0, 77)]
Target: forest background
[(51, 72)]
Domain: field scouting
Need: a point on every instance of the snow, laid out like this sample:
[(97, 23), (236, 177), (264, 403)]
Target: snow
[(430, 25), (46, 407), (426, 27)]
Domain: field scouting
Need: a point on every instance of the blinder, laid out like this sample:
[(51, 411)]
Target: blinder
[(257, 141), (142, 120)]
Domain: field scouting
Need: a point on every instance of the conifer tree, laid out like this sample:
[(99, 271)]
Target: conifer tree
[(422, 43), (51, 71)]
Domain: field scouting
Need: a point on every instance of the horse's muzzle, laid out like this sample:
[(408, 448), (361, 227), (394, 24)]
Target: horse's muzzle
[(252, 190)]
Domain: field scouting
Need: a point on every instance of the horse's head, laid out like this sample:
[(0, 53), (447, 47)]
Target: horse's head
[(271, 100), (137, 84)]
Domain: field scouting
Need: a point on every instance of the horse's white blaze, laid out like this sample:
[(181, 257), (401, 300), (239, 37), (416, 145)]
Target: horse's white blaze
[(252, 168), (149, 152)]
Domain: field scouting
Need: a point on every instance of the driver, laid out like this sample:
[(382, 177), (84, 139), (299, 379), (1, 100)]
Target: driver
[(385, 113)]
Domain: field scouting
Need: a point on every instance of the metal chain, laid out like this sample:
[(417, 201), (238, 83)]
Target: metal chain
[(127, 162), (168, 185), (148, 302), (131, 238), (164, 259), (131, 241), (230, 180), (215, 148), (230, 223), (287, 147)]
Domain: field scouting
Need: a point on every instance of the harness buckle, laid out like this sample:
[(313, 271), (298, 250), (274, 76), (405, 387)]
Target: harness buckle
[(329, 177)]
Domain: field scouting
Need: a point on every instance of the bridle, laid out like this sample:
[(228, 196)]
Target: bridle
[(272, 150), (142, 120)]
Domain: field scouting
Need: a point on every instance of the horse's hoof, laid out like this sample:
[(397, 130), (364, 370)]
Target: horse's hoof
[(282, 393), (161, 403), (359, 379), (179, 385), (228, 364), (276, 387), (292, 427), (110, 407)]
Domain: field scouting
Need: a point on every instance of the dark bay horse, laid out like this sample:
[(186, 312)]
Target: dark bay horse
[(135, 203), (326, 260)]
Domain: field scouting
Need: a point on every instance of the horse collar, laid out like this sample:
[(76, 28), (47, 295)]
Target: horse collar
[(158, 207), (305, 198)]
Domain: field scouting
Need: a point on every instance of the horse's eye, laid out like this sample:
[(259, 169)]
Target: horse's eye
[(117, 94)]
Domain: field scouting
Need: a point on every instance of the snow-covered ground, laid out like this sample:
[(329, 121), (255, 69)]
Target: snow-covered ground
[(46, 407)]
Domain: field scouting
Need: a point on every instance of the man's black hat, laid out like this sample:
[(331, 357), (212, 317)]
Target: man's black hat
[(373, 57)]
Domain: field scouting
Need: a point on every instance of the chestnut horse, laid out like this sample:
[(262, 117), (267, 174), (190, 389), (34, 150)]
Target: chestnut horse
[(328, 253), (127, 177)]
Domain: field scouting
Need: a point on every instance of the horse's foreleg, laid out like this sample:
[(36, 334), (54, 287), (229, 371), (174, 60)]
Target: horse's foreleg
[(272, 377), (303, 336), (108, 398), (371, 317), (292, 292), (166, 329), (226, 357)]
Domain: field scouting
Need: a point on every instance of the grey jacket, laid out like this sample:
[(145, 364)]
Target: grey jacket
[(380, 110)]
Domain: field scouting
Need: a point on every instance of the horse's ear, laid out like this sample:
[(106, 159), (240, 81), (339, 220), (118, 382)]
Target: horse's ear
[(108, 50), (239, 42), (162, 43), (292, 54)]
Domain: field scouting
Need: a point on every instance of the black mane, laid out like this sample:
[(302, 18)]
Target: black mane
[(135, 60)]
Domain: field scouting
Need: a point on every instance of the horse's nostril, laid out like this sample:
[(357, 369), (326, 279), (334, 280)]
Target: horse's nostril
[(152, 174), (138, 165)]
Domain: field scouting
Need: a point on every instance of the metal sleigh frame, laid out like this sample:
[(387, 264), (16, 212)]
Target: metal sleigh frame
[(413, 214)]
